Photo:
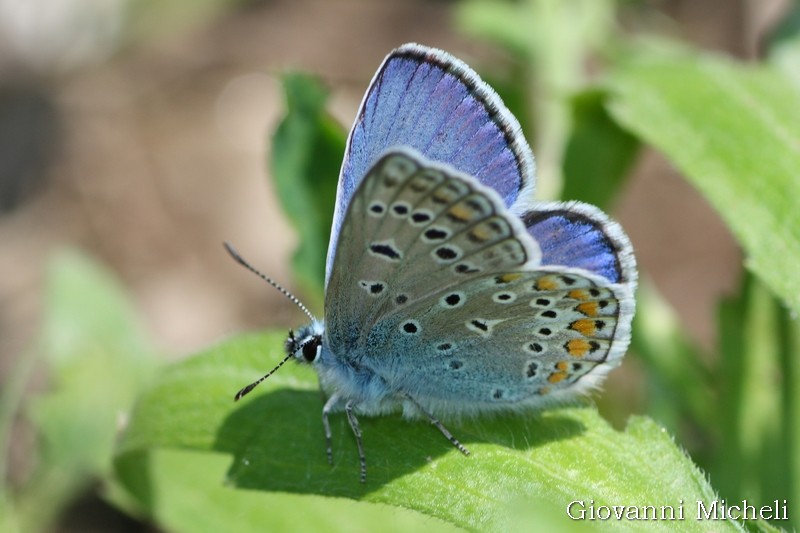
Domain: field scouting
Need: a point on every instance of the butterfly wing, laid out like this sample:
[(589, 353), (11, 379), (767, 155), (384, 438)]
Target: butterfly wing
[(574, 234), (438, 290), (430, 101)]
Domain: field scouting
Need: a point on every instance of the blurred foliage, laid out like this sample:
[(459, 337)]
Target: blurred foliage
[(732, 130), (150, 20), (759, 400), (552, 40), (98, 359), (307, 151), (597, 147), (783, 45)]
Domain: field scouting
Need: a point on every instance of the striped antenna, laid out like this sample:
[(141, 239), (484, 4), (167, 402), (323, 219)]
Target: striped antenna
[(231, 250), (256, 383)]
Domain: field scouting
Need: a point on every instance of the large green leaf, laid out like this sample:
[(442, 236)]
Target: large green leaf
[(734, 131), (273, 442)]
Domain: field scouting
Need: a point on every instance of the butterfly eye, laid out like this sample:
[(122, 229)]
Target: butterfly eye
[(310, 348)]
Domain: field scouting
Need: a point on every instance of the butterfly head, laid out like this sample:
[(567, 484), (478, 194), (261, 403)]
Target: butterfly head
[(306, 345)]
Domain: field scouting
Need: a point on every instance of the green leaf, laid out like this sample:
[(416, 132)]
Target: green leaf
[(679, 384), (98, 360), (599, 153), (734, 132), (185, 481), (307, 151), (759, 400), (273, 442)]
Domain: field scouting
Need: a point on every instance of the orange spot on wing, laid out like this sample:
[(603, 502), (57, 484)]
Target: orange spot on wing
[(480, 234), (460, 212), (585, 327), (578, 294), (578, 347), (561, 372), (546, 283), (508, 278), (441, 197), (588, 308)]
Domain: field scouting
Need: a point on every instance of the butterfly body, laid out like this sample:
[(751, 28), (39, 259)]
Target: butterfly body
[(449, 290)]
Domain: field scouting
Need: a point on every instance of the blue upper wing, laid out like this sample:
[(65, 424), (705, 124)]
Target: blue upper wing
[(430, 101), (578, 235)]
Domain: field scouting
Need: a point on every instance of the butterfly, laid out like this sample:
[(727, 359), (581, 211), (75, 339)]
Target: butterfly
[(449, 291)]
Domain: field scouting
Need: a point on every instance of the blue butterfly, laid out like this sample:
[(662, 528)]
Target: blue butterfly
[(448, 289)]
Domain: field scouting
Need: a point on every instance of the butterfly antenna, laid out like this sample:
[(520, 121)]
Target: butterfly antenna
[(239, 259), (256, 383)]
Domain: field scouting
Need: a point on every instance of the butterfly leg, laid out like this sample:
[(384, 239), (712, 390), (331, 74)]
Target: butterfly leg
[(330, 406), (351, 417), (435, 421)]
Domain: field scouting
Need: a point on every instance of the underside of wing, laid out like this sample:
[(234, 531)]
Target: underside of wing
[(517, 339), (414, 226), (441, 292)]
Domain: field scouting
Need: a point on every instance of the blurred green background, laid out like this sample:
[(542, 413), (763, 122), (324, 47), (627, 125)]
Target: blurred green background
[(136, 136)]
